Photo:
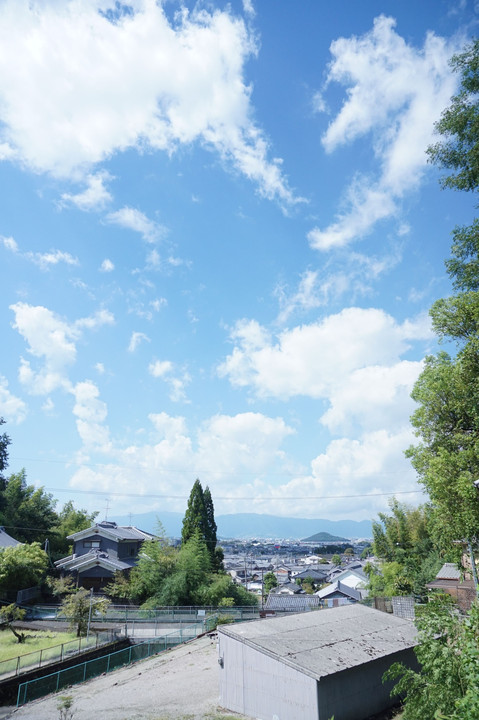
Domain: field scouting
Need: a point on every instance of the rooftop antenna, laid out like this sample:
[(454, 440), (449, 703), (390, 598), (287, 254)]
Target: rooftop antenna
[(107, 503), (130, 515)]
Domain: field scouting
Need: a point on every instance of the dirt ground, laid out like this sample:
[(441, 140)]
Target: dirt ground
[(181, 684)]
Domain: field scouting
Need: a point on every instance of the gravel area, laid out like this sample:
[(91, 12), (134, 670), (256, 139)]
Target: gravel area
[(181, 684)]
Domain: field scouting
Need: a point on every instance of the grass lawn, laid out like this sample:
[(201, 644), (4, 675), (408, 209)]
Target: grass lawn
[(34, 640)]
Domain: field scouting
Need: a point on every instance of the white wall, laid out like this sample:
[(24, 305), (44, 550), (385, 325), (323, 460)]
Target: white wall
[(255, 684)]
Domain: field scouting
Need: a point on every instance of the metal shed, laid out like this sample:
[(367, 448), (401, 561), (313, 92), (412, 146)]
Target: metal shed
[(314, 665)]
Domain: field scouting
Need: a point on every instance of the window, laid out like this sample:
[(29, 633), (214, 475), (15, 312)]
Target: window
[(91, 543)]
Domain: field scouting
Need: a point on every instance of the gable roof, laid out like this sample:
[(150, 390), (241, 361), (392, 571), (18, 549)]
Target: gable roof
[(339, 587), (325, 642), (80, 563), (449, 571), (113, 531)]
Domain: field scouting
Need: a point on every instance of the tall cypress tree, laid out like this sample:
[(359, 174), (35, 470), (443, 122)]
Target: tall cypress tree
[(195, 515), (210, 524)]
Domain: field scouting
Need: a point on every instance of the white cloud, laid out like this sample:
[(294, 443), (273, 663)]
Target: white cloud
[(93, 322), (135, 220), (48, 406), (224, 447), (373, 464), (160, 368), (77, 86), (46, 260), (177, 383), (9, 243), (91, 412), (100, 368), (312, 360), (52, 341), (95, 196), (396, 92), (135, 340), (246, 442), (107, 266), (374, 397), (12, 408)]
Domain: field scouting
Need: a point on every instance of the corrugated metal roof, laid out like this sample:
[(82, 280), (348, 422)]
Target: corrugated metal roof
[(324, 642)]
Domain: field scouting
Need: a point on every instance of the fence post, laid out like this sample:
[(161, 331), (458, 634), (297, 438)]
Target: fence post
[(40, 661), (18, 665), (84, 671)]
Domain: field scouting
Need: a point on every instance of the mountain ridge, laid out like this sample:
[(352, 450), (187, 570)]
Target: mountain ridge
[(244, 526)]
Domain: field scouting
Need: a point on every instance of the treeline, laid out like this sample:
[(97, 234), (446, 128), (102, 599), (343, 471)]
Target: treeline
[(29, 514)]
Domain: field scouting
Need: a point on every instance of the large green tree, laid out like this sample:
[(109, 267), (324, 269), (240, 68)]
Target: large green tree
[(28, 512), (69, 520), (447, 392), (22, 566), (200, 518)]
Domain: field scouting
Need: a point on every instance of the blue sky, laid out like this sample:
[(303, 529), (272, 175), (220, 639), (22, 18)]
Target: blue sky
[(219, 241)]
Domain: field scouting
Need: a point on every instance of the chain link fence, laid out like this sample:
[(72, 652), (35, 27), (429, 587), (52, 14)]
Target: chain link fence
[(34, 689)]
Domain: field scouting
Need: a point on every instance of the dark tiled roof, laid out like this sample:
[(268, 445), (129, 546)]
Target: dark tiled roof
[(449, 571), (292, 603)]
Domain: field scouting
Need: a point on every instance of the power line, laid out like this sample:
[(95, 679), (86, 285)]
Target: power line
[(232, 497)]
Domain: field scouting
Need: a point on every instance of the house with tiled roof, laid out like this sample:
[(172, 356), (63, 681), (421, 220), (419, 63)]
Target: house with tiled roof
[(448, 580), (100, 551), (338, 594)]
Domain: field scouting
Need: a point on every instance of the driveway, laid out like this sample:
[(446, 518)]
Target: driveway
[(181, 684)]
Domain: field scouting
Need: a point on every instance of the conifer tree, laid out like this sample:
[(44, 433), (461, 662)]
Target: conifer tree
[(195, 515)]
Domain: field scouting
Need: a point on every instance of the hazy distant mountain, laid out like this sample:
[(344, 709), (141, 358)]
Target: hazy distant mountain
[(324, 537), (251, 525)]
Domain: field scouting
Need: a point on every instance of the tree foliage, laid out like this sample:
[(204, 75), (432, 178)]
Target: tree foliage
[(458, 150), (447, 392), (447, 684), (78, 604), (403, 541), (28, 512), (22, 566), (4, 443), (69, 520), (270, 581)]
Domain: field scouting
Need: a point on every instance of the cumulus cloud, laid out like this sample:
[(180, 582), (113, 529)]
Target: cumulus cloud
[(395, 92), (9, 243), (177, 382), (94, 197), (52, 341), (81, 81), (313, 359), (223, 447), (107, 266), (12, 408), (90, 413), (160, 368)]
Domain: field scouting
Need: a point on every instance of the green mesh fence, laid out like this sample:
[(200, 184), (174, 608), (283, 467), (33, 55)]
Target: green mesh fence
[(34, 689)]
